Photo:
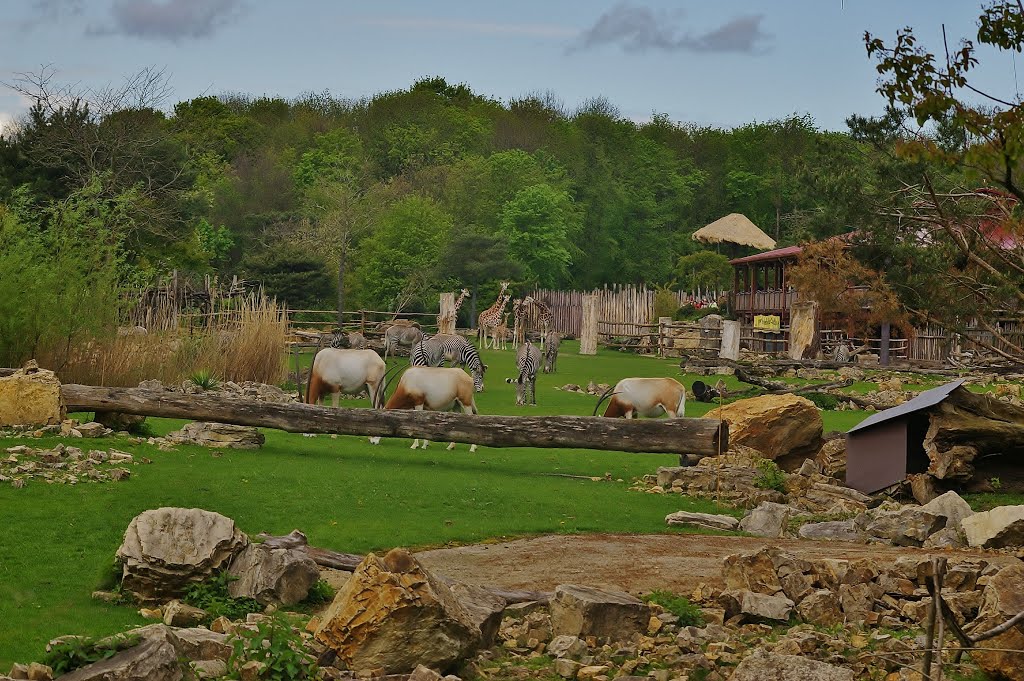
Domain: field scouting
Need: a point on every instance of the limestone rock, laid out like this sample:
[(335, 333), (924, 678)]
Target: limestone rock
[(767, 520), (779, 426), (165, 550), (198, 643), (832, 459), (566, 646), (178, 614), (923, 487), (951, 507), (272, 575), (1002, 526), (909, 526), (92, 429), (756, 605), (761, 665), (708, 520), (752, 572), (585, 611), (154, 659), (31, 396), (822, 608), (218, 435), (1002, 599), (485, 610), (836, 530), (393, 615)]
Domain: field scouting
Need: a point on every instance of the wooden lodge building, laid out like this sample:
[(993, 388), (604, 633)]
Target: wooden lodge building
[(760, 286)]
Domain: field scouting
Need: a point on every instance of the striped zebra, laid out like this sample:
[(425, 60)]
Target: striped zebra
[(528, 361), (436, 350), (841, 353)]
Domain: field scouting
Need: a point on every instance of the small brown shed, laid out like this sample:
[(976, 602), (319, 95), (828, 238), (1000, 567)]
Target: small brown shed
[(888, 446)]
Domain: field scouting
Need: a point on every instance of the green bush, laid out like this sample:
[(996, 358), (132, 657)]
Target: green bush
[(78, 651), (823, 400), (275, 644), (770, 476), (212, 596), (204, 379), (321, 592), (688, 613)]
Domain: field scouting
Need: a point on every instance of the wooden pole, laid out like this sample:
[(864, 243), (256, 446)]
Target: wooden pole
[(588, 326), (667, 436)]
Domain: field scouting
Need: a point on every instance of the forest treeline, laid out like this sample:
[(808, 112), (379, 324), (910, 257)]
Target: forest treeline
[(431, 188)]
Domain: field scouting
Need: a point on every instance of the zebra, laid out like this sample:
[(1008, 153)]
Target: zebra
[(434, 351), (528, 360), (400, 334), (841, 353), (551, 344)]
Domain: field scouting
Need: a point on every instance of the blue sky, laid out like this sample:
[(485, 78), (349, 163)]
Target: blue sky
[(717, 62)]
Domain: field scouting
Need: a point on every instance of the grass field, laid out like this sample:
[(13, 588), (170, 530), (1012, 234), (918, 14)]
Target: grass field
[(57, 542)]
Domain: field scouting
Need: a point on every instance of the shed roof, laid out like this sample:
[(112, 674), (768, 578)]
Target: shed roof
[(734, 228), (929, 398), (777, 254)]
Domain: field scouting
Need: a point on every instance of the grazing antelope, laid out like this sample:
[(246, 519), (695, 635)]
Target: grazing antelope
[(337, 371), (434, 389), (400, 334), (528, 361), (551, 343), (647, 397)]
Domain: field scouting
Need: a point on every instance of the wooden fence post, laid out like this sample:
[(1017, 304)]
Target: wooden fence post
[(663, 338), (446, 319), (588, 326)]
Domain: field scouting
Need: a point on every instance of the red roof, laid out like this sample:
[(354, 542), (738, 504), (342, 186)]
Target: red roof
[(777, 254)]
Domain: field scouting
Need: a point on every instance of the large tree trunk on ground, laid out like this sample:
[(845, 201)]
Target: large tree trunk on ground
[(966, 426), (673, 436)]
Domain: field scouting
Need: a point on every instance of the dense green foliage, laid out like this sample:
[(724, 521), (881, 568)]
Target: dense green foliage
[(212, 596), (431, 188)]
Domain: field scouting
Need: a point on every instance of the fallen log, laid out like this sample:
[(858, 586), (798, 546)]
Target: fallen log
[(779, 388), (705, 437)]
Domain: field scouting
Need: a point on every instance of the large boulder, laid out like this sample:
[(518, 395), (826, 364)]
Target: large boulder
[(165, 550), (1002, 526), (784, 427), (585, 611), (710, 521), (154, 659), (909, 526), (767, 520), (761, 665), (822, 608), (31, 396), (1002, 599), (281, 576), (218, 435), (392, 614), (951, 507)]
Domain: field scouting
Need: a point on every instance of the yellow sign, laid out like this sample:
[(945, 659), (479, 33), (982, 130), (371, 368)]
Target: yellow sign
[(767, 322)]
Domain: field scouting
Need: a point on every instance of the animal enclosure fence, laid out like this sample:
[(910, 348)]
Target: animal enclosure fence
[(632, 307)]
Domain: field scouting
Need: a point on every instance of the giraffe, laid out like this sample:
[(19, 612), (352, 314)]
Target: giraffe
[(444, 319), (499, 334), (519, 323), (543, 318), (491, 317)]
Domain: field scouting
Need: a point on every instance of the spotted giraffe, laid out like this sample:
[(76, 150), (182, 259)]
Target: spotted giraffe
[(450, 318), (491, 317), (499, 334), (543, 319)]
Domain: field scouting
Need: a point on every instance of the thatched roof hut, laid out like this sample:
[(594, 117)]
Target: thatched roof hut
[(734, 228)]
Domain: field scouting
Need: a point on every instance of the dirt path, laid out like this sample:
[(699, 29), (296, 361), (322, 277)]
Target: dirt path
[(633, 563)]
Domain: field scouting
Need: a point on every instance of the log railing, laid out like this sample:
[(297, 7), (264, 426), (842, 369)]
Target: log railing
[(704, 437)]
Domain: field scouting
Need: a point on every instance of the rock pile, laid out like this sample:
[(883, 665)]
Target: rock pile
[(65, 465)]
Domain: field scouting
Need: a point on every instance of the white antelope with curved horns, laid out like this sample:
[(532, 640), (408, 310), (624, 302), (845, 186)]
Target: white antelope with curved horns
[(647, 397), (337, 371), (434, 389)]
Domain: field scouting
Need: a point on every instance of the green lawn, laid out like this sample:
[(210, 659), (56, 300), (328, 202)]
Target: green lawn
[(56, 542)]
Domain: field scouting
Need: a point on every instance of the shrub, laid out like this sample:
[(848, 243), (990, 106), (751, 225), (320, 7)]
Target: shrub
[(770, 476), (688, 613), (321, 592), (79, 651), (823, 400), (212, 596), (204, 379), (277, 646)]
